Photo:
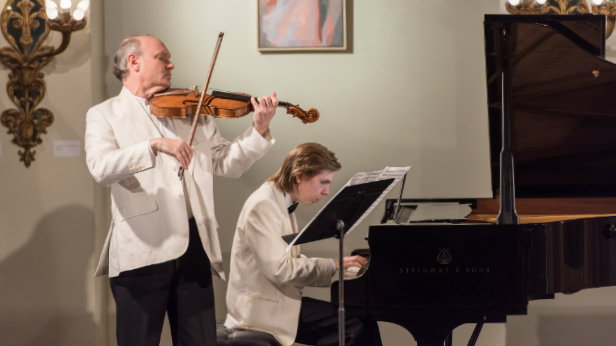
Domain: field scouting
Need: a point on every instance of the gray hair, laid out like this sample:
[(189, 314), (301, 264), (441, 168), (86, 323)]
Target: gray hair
[(130, 45)]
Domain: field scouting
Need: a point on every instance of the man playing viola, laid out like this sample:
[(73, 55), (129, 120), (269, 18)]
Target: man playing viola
[(163, 240)]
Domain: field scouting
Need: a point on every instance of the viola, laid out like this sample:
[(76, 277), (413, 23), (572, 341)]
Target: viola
[(181, 103)]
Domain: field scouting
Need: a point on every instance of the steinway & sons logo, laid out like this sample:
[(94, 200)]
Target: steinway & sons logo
[(444, 256), (444, 259)]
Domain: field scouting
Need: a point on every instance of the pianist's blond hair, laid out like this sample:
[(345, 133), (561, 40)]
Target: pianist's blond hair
[(307, 159)]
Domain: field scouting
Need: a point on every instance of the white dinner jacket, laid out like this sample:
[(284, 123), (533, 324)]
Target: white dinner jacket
[(265, 282), (148, 209)]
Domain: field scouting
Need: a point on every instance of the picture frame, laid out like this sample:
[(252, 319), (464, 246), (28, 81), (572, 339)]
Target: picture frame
[(291, 25)]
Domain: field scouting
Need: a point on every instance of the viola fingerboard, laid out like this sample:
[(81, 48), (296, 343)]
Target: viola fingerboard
[(242, 97)]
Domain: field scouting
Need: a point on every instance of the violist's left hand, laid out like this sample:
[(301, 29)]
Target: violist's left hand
[(264, 111)]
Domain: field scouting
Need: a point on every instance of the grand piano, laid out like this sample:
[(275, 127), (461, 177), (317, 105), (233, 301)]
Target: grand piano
[(551, 226)]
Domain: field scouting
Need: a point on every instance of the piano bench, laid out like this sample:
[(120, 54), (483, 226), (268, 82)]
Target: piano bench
[(244, 337)]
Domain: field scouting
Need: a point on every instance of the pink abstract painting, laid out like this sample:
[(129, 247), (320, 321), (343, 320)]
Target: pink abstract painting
[(301, 24)]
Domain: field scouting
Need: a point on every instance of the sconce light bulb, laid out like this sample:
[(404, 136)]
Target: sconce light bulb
[(78, 14), (52, 13), (83, 5), (51, 9), (50, 4), (541, 2), (514, 2), (597, 2), (65, 4)]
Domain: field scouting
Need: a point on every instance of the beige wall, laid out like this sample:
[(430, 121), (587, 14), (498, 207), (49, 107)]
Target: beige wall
[(47, 294), (411, 91)]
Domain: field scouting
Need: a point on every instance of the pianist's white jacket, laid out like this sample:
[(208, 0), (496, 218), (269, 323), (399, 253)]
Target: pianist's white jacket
[(265, 281)]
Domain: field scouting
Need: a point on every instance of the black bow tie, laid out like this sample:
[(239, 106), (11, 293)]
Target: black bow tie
[(292, 207)]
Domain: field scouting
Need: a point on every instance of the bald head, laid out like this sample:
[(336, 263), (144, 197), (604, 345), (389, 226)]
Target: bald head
[(142, 63)]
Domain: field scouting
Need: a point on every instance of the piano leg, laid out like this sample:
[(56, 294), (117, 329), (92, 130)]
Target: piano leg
[(475, 335), (437, 330), (427, 331), (471, 341)]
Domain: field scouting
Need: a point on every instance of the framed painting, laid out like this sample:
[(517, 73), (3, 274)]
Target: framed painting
[(291, 25)]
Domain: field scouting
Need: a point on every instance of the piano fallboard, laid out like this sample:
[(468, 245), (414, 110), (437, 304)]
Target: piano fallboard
[(457, 265)]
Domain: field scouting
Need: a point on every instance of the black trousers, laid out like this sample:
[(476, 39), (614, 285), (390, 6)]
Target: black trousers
[(182, 288), (318, 325)]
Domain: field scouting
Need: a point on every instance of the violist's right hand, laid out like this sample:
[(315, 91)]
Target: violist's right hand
[(177, 148)]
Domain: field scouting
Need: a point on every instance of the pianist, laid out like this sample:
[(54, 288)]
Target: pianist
[(265, 281)]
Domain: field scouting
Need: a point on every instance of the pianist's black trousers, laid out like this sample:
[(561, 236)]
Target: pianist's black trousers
[(181, 287), (318, 325)]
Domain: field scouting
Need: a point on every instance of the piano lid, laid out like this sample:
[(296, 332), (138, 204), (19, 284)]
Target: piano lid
[(563, 104)]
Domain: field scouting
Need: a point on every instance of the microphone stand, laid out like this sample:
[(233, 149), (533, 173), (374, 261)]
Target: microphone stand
[(341, 332)]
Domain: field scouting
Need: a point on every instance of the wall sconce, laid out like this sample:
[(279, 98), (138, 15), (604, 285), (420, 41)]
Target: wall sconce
[(525, 6), (25, 25), (546, 6), (604, 7)]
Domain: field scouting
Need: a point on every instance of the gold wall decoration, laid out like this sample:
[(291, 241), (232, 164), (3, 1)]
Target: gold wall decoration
[(600, 7), (546, 6), (25, 25)]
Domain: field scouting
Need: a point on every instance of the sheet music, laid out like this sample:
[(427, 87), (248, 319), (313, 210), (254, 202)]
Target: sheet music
[(365, 177), (386, 173), (395, 173)]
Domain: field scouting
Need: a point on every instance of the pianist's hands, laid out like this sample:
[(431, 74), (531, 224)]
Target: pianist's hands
[(351, 261)]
